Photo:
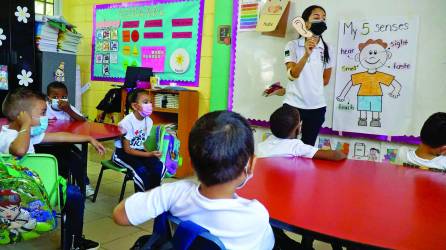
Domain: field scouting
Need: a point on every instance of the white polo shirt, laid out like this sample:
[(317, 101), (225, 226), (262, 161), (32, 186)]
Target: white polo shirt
[(239, 223), (7, 136), (277, 147), (438, 162), (307, 91)]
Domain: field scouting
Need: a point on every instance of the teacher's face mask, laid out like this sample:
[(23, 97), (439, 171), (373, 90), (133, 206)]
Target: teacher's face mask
[(318, 27)]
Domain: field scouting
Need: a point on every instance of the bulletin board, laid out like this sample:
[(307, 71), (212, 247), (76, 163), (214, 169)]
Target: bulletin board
[(257, 61), (164, 35)]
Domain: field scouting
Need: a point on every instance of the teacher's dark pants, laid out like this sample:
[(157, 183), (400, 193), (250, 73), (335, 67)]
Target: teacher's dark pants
[(312, 120)]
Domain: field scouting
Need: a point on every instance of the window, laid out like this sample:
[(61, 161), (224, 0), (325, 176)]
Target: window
[(45, 7)]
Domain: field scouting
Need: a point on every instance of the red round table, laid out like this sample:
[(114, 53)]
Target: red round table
[(375, 204)]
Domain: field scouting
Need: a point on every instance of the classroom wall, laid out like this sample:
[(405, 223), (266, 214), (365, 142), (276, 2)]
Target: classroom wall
[(221, 59), (80, 13)]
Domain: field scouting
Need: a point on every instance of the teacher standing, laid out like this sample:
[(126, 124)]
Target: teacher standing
[(309, 63)]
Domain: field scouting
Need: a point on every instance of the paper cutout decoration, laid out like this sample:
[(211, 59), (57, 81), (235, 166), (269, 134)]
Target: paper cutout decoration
[(2, 37), (135, 36), (113, 58), (3, 77), (106, 58), (344, 147), (299, 26), (135, 51), (126, 50), (224, 34), (59, 74), (25, 78), (126, 36), (153, 57), (22, 14), (179, 61), (249, 16), (106, 34), (273, 18), (114, 34), (359, 150), (324, 143), (374, 155), (391, 155), (99, 58), (106, 69)]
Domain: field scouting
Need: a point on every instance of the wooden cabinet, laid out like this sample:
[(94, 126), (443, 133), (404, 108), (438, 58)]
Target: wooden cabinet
[(185, 116), (17, 43)]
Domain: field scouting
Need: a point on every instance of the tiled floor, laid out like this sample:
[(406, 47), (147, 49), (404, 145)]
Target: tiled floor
[(98, 224)]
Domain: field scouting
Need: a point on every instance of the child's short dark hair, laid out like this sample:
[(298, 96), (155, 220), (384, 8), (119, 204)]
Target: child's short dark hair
[(220, 145), (56, 85), (19, 100), (283, 121), (433, 132)]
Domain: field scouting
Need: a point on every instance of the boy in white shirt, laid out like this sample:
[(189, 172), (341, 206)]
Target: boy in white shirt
[(130, 153), (25, 110), (285, 127), (221, 147), (431, 152)]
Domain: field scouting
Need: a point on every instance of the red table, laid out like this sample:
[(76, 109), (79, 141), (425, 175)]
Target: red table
[(370, 203), (99, 131)]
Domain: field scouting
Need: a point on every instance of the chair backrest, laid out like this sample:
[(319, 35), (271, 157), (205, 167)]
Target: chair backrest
[(189, 235), (45, 165)]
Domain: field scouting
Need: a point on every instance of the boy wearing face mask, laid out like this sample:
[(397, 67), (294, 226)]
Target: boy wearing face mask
[(221, 147), (285, 126), (130, 153), (25, 110), (58, 107)]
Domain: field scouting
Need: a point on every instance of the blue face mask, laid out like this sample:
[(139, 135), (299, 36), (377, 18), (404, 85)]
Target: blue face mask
[(38, 130)]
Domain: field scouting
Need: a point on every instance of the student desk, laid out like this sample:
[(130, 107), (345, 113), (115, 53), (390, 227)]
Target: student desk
[(359, 202), (99, 131)]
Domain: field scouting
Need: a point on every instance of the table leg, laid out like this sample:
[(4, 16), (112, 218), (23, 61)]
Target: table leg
[(84, 162)]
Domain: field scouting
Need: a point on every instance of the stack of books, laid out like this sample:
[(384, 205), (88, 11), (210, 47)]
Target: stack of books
[(46, 36), (69, 41)]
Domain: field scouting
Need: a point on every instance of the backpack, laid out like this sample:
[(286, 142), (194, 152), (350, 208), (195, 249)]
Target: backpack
[(111, 103), (167, 143), (25, 211)]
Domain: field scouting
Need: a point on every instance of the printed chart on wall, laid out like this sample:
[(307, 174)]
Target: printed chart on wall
[(164, 35), (375, 75)]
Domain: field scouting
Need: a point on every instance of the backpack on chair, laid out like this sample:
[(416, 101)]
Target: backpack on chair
[(25, 210)]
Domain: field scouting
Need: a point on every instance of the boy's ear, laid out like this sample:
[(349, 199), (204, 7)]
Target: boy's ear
[(357, 57), (251, 162)]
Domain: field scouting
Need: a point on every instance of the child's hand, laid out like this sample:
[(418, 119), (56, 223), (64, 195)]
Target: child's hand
[(64, 106), (24, 119), (98, 146), (156, 154)]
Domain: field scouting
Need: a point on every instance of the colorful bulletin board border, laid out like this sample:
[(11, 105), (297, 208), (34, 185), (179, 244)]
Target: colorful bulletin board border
[(327, 131), (123, 39)]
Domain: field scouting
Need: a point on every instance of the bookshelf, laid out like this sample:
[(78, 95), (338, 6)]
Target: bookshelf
[(185, 116)]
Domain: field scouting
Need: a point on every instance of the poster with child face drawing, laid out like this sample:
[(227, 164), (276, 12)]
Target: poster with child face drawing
[(375, 75)]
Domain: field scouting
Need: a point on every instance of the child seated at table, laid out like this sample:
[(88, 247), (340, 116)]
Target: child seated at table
[(431, 152), (58, 107), (130, 153), (25, 110), (221, 147), (285, 127)]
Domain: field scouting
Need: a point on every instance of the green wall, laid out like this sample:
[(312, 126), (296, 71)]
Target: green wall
[(221, 58)]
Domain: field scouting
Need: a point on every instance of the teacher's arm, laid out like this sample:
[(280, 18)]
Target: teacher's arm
[(327, 76)]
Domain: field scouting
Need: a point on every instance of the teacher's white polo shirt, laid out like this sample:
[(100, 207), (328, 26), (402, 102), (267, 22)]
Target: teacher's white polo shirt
[(307, 91)]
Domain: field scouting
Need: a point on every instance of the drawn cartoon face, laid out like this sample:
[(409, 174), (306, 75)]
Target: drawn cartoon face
[(9, 212), (373, 56)]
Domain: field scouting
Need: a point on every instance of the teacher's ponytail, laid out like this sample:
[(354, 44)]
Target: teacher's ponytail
[(326, 52)]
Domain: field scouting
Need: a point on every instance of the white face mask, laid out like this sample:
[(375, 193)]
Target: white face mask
[(248, 177)]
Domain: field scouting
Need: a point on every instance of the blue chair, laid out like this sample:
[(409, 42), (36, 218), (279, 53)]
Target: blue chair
[(187, 235)]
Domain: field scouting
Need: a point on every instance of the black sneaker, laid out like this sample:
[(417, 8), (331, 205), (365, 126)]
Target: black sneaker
[(86, 244)]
